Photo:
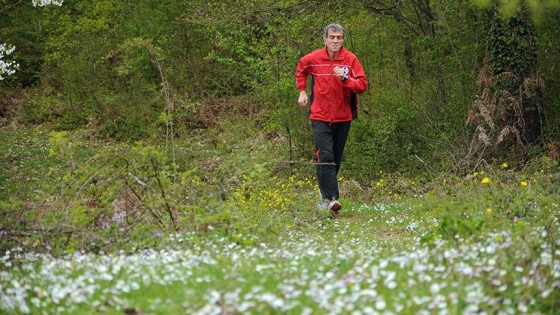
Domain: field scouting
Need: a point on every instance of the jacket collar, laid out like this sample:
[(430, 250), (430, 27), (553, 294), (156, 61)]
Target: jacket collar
[(338, 57)]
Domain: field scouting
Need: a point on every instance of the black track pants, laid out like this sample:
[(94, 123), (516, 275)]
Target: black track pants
[(330, 139)]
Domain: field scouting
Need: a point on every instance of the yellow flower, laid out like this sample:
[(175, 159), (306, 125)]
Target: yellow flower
[(523, 183), (475, 174), (489, 210), (504, 165), (485, 180)]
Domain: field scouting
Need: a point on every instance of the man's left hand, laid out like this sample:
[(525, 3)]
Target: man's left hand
[(339, 72)]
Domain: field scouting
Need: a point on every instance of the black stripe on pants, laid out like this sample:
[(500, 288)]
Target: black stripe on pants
[(330, 139)]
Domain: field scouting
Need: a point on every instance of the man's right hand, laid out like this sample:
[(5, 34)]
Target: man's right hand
[(303, 100)]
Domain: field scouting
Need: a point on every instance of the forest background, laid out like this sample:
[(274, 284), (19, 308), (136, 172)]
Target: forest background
[(453, 86), (118, 68)]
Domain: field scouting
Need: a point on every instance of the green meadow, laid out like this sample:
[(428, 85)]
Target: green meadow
[(249, 239)]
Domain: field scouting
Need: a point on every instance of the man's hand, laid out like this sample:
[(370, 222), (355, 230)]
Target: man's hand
[(340, 73), (303, 100)]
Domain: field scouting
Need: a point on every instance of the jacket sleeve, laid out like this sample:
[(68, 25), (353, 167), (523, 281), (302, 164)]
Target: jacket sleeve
[(357, 80), (302, 71)]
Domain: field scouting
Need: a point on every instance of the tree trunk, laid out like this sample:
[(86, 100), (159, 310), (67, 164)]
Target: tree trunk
[(507, 111), (513, 53)]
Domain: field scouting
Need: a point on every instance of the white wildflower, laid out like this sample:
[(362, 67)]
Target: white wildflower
[(380, 304), (23, 308), (42, 3), (434, 288), (6, 68)]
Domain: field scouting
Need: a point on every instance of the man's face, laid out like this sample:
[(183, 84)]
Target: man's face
[(334, 40)]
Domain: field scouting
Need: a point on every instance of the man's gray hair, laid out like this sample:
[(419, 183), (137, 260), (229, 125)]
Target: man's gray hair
[(334, 27)]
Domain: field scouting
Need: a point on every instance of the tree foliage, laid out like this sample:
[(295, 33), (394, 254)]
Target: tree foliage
[(134, 70)]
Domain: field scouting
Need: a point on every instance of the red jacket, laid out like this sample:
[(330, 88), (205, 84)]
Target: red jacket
[(332, 100)]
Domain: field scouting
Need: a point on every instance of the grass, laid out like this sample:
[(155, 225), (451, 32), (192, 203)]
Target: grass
[(22, 151), (333, 267), (487, 242)]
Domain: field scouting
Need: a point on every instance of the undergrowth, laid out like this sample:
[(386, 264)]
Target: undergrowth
[(72, 193), (85, 195)]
